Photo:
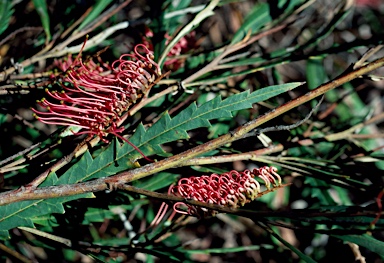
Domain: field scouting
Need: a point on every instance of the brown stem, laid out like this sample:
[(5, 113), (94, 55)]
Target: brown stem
[(101, 19), (177, 160), (14, 33), (39, 56), (14, 254)]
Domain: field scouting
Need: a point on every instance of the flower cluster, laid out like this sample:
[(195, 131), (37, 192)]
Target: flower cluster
[(94, 95), (232, 189)]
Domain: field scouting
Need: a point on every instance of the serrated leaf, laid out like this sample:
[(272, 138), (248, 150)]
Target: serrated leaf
[(6, 12), (21, 213), (118, 158), (42, 10)]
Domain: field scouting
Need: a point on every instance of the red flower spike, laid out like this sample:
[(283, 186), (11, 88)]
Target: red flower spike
[(232, 189), (95, 94)]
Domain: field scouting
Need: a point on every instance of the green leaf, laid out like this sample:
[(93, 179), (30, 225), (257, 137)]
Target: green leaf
[(292, 248), (225, 250), (6, 12), (48, 221), (366, 241), (263, 14), (94, 14), (21, 213), (118, 158), (156, 182), (203, 14), (99, 215), (175, 12), (255, 20), (315, 72), (42, 10)]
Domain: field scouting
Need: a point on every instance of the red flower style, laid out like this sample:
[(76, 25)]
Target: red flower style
[(95, 95), (232, 189)]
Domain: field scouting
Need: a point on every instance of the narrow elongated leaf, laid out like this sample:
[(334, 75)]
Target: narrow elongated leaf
[(263, 14), (203, 14), (99, 215), (6, 12), (96, 11), (255, 20), (120, 157), (315, 72), (226, 250), (366, 241), (42, 10), (293, 249)]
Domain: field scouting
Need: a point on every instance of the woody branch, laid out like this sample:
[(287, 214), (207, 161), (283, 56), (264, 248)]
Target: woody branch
[(180, 159)]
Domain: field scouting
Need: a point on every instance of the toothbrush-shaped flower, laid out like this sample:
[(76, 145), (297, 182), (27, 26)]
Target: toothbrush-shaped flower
[(232, 189), (95, 95)]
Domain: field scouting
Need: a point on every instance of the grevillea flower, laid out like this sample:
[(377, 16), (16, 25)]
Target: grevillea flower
[(94, 95), (232, 189)]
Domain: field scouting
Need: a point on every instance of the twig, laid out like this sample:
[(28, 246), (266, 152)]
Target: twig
[(348, 133), (14, 33), (183, 103), (206, 12), (35, 231), (30, 76), (367, 55), (12, 88), (177, 160), (19, 153), (78, 21), (80, 149), (102, 18), (190, 10), (230, 157), (212, 66), (356, 252), (14, 253), (285, 127), (58, 50)]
